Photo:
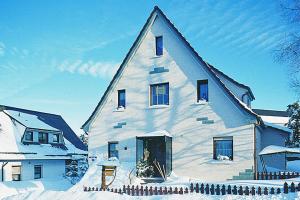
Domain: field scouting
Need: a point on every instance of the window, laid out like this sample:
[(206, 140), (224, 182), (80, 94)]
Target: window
[(37, 171), (159, 45), (55, 138), (159, 94), (16, 173), (29, 136), (202, 90), (113, 149), (121, 99), (43, 138), (223, 148)]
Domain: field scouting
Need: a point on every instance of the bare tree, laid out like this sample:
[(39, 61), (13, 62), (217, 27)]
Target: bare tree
[(289, 49)]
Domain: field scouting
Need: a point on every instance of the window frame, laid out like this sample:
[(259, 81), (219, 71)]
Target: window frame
[(119, 100), (13, 174), (151, 104), (199, 82), (41, 171), (47, 137), (159, 51), (109, 150), (225, 138), (31, 137)]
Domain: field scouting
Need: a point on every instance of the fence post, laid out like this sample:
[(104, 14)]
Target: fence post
[(170, 190), (120, 191), (272, 190), (247, 190), (137, 190), (192, 187), (197, 188), (202, 188), (293, 187), (259, 190), (270, 175), (166, 190), (288, 175), (234, 191), (181, 190), (155, 190), (298, 187), (186, 191), (207, 189), (176, 190), (84, 188), (285, 188), (253, 191), (278, 191), (151, 191), (229, 189), (212, 189), (240, 190), (132, 190), (266, 191), (218, 190), (160, 191), (223, 190), (142, 190), (146, 191)]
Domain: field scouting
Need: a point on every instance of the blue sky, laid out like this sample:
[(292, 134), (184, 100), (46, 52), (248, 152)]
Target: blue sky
[(59, 56)]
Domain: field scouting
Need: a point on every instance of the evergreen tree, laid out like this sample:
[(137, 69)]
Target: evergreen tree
[(84, 138), (294, 123), (143, 169)]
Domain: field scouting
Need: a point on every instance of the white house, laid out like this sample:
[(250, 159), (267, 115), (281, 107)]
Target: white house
[(165, 103), (35, 145)]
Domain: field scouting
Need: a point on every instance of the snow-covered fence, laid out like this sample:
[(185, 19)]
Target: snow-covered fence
[(276, 175), (204, 189)]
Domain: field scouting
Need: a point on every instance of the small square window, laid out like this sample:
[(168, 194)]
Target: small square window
[(121, 98), (55, 138), (37, 171), (159, 45), (113, 149), (159, 94), (43, 137), (29, 136), (202, 90), (223, 148), (16, 173)]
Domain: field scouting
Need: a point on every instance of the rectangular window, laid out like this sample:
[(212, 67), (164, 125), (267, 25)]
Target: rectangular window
[(16, 173), (43, 137), (159, 94), (113, 149), (121, 99), (159, 45), (29, 136), (202, 90), (37, 171), (223, 148), (55, 138)]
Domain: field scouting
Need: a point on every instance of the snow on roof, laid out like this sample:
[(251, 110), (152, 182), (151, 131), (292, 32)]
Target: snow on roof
[(29, 120), (157, 133), (276, 120), (278, 127), (273, 149)]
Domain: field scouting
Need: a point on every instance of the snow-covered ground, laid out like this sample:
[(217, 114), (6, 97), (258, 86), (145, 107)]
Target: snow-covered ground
[(53, 189)]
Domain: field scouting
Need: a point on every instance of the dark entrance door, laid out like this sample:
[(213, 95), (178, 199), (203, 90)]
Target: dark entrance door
[(156, 148)]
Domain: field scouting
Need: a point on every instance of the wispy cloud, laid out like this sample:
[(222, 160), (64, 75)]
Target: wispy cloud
[(103, 69), (2, 49)]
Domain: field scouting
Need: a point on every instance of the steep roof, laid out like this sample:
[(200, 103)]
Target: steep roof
[(42, 120), (208, 67)]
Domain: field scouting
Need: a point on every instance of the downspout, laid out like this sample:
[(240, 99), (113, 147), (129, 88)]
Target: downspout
[(2, 170), (255, 161)]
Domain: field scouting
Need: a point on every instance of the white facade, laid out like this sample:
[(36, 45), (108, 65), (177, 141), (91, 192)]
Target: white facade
[(192, 140)]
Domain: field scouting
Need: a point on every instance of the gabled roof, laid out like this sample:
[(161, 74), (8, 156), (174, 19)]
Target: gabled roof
[(233, 81), (46, 121), (207, 67)]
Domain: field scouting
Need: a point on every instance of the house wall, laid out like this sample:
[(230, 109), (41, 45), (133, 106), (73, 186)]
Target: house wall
[(52, 169), (192, 140), (271, 136)]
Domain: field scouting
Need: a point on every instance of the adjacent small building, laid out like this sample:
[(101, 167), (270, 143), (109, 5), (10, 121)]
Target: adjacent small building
[(165, 104), (35, 145)]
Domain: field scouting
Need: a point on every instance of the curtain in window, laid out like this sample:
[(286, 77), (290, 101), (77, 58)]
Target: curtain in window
[(204, 91), (223, 148), (160, 94), (113, 150)]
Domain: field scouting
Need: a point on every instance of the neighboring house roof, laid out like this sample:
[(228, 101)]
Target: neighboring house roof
[(208, 67), (273, 116), (47, 121), (233, 81)]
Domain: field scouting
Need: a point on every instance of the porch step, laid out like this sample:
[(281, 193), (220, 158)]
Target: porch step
[(245, 175)]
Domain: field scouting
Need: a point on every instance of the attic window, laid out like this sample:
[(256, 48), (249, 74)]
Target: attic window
[(202, 90), (159, 45), (43, 138), (55, 138), (29, 136)]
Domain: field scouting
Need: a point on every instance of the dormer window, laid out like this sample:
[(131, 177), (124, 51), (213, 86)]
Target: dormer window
[(159, 45), (43, 138), (29, 136), (55, 138)]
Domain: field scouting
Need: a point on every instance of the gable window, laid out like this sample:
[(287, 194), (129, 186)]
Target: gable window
[(37, 171), (159, 94), (29, 136), (16, 173), (43, 137), (55, 138), (202, 90), (223, 148), (113, 149), (121, 99), (159, 45)]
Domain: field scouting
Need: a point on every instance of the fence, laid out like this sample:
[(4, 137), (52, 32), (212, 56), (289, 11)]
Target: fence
[(204, 189), (276, 175)]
